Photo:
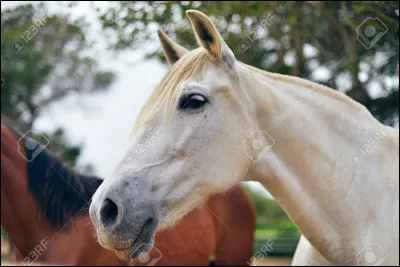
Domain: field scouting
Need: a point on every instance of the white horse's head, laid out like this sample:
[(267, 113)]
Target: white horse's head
[(187, 144)]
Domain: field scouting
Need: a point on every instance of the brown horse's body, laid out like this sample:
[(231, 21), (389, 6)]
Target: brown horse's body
[(221, 231)]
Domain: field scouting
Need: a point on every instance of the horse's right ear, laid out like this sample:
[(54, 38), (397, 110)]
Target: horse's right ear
[(209, 38), (172, 51)]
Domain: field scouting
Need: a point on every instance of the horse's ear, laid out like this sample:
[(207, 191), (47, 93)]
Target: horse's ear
[(172, 51), (209, 37)]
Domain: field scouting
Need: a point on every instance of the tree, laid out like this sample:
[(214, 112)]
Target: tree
[(44, 59), (356, 43)]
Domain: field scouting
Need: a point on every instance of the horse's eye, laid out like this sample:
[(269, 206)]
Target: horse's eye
[(192, 101)]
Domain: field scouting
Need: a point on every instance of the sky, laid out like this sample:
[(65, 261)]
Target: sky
[(103, 122)]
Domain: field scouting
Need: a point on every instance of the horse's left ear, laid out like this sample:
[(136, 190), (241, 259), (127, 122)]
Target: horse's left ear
[(172, 51), (209, 37)]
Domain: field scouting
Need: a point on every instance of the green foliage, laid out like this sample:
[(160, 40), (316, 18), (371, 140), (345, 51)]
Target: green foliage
[(269, 213), (44, 58), (282, 245), (272, 226), (278, 37), (59, 145)]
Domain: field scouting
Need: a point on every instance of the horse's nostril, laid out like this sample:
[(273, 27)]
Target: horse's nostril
[(149, 221), (108, 212)]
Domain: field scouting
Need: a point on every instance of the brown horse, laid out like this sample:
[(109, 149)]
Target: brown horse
[(44, 209)]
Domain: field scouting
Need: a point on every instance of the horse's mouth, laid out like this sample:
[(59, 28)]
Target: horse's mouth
[(142, 244)]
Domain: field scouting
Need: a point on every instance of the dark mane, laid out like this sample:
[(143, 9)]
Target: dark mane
[(60, 192)]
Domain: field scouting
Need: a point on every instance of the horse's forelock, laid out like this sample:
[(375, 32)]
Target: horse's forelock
[(167, 93)]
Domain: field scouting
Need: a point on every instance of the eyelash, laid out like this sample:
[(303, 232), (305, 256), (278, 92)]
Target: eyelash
[(192, 102)]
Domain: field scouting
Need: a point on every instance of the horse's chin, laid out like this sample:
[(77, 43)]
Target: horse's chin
[(123, 255), (138, 249), (129, 252)]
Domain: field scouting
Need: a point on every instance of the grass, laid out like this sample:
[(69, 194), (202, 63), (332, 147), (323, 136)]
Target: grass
[(280, 241), (266, 234)]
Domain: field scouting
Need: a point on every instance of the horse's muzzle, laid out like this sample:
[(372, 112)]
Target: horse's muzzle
[(124, 224)]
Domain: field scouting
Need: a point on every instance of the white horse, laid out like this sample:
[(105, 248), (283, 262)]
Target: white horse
[(328, 162)]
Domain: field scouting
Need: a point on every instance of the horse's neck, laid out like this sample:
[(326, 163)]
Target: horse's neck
[(331, 161), (20, 216), (34, 238), (78, 246)]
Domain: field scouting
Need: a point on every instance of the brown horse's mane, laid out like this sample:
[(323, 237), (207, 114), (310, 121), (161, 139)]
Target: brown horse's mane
[(60, 192)]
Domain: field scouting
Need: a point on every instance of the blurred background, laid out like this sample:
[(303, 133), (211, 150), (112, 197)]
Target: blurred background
[(79, 72)]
